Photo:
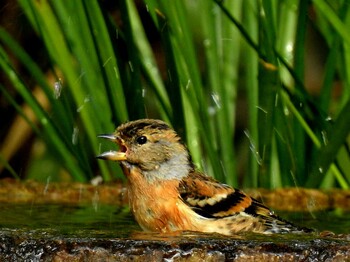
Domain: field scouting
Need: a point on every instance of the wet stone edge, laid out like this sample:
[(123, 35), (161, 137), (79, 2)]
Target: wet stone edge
[(23, 248)]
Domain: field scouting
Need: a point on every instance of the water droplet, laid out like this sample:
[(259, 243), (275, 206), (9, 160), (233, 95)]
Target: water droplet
[(261, 109), (329, 118), (223, 168), (324, 137), (211, 110), (194, 143), (227, 39), (289, 47), (276, 100), (207, 42), (148, 63), (75, 135), (80, 108), (131, 67), (57, 88), (301, 105), (286, 111), (262, 12), (86, 100), (311, 206), (143, 92), (95, 201), (80, 192), (47, 185), (294, 178), (116, 72), (44, 121), (216, 99), (253, 148), (106, 62), (169, 75), (96, 181), (320, 169), (188, 84)]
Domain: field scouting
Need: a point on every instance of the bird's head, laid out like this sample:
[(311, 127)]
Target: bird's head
[(151, 146)]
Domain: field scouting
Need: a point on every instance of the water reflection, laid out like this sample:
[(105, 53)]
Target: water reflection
[(117, 222), (68, 220)]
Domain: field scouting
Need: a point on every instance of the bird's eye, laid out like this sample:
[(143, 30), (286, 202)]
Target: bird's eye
[(141, 140)]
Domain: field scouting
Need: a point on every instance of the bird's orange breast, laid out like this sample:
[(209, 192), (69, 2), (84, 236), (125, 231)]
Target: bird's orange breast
[(155, 205)]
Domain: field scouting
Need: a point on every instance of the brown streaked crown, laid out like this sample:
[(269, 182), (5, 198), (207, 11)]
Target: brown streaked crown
[(155, 148)]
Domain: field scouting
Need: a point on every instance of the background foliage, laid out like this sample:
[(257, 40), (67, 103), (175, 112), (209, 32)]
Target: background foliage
[(259, 90)]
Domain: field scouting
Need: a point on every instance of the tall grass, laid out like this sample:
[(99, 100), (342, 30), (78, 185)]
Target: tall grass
[(217, 54)]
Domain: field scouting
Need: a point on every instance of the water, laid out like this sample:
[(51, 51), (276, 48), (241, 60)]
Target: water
[(101, 232), (104, 221), (336, 221)]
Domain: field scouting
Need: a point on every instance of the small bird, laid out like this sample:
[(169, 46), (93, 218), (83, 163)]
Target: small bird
[(166, 192)]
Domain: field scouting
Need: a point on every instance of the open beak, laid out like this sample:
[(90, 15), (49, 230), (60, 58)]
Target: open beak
[(113, 155)]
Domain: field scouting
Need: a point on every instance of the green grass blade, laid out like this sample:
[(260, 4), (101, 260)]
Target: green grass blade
[(250, 62), (44, 119), (334, 20)]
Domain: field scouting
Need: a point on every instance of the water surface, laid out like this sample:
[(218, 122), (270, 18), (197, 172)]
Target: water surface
[(108, 221)]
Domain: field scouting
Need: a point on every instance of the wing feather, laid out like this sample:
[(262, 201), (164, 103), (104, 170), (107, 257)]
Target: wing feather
[(211, 199)]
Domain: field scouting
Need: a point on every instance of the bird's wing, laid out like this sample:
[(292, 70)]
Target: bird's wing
[(210, 198)]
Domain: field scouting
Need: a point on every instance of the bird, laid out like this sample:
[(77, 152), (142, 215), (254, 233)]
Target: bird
[(168, 194)]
